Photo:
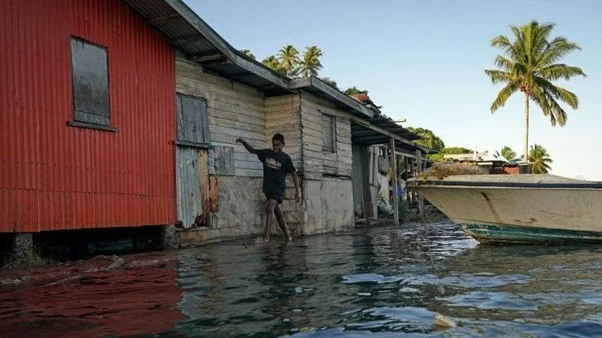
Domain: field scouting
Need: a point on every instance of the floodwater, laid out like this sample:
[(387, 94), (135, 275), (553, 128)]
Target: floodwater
[(381, 282)]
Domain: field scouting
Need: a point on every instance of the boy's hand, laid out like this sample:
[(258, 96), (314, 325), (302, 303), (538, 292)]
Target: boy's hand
[(297, 196), (240, 140)]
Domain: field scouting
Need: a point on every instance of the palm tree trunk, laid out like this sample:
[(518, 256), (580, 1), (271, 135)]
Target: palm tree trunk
[(526, 153)]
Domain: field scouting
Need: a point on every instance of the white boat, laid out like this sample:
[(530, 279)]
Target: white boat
[(519, 208)]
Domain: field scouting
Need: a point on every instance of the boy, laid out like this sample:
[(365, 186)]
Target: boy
[(276, 165)]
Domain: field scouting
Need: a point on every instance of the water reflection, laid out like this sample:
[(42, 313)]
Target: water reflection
[(81, 299)]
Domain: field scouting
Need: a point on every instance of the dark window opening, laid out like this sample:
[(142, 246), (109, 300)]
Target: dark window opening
[(90, 77)]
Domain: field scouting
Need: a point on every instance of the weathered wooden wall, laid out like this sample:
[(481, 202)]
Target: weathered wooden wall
[(235, 110), (283, 115), (316, 162)]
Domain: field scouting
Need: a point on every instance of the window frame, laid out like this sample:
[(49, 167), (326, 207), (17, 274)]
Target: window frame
[(333, 126), (205, 128), (78, 121)]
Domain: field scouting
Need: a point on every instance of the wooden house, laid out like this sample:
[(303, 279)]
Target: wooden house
[(149, 138)]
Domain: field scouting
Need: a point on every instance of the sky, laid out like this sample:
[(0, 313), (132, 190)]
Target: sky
[(424, 61)]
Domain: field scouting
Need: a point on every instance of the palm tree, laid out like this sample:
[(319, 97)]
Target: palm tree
[(530, 65), (508, 154), (311, 65), (540, 160), (272, 62), (248, 53), (289, 59)]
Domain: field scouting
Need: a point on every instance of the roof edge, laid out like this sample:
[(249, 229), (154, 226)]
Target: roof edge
[(233, 55), (334, 94)]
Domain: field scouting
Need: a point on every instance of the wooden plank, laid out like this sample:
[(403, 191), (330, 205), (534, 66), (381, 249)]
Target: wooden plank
[(311, 116), (281, 114), (312, 129), (248, 172), (232, 117), (235, 133), (236, 125), (315, 108), (254, 165), (253, 112), (196, 73), (227, 139), (203, 89), (205, 121), (309, 138), (224, 160), (344, 148), (204, 182), (394, 179), (283, 123), (201, 81), (275, 100)]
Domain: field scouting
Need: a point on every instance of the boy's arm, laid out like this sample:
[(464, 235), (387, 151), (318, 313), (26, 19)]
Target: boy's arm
[(247, 146), (296, 182)]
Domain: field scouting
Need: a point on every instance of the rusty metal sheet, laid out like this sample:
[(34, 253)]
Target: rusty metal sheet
[(54, 176), (188, 186)]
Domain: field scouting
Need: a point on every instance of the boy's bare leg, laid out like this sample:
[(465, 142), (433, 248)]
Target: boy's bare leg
[(282, 223), (268, 219)]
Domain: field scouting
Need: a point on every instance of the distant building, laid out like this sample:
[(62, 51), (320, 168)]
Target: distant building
[(469, 157)]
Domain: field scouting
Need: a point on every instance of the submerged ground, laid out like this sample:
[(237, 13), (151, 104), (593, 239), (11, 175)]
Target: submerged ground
[(376, 282)]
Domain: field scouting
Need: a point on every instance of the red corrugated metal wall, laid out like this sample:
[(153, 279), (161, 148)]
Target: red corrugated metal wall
[(53, 176)]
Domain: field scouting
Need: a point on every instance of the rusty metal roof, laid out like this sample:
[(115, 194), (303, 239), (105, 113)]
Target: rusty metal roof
[(196, 40)]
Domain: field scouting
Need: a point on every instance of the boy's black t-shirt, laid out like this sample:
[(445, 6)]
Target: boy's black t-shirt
[(275, 167)]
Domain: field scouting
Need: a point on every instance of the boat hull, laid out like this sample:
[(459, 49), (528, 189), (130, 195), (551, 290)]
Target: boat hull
[(521, 211), (490, 233)]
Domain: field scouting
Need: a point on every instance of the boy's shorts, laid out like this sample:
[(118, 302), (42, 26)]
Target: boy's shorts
[(272, 196)]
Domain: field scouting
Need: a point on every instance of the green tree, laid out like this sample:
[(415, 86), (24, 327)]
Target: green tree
[(272, 62), (540, 160), (354, 91), (508, 154), (455, 151), (311, 64), (330, 82), (427, 138), (529, 64), (248, 53), (289, 59)]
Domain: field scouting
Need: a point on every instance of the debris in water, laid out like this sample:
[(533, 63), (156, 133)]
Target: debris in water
[(444, 322)]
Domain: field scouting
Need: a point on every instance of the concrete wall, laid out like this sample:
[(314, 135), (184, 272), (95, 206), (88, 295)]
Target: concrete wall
[(328, 206)]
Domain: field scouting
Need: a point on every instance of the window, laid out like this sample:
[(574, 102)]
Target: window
[(90, 76), (193, 120), (329, 134)]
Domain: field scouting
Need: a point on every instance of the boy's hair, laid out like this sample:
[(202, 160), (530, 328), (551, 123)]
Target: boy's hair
[(278, 137)]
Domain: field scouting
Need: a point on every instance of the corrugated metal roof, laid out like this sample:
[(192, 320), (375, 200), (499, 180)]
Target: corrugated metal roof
[(197, 40)]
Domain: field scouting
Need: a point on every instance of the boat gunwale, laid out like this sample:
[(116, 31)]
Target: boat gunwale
[(548, 185)]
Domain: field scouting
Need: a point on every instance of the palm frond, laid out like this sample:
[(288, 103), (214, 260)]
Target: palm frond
[(498, 76), (557, 114), (556, 49), (558, 92), (504, 63), (560, 70), (504, 94)]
